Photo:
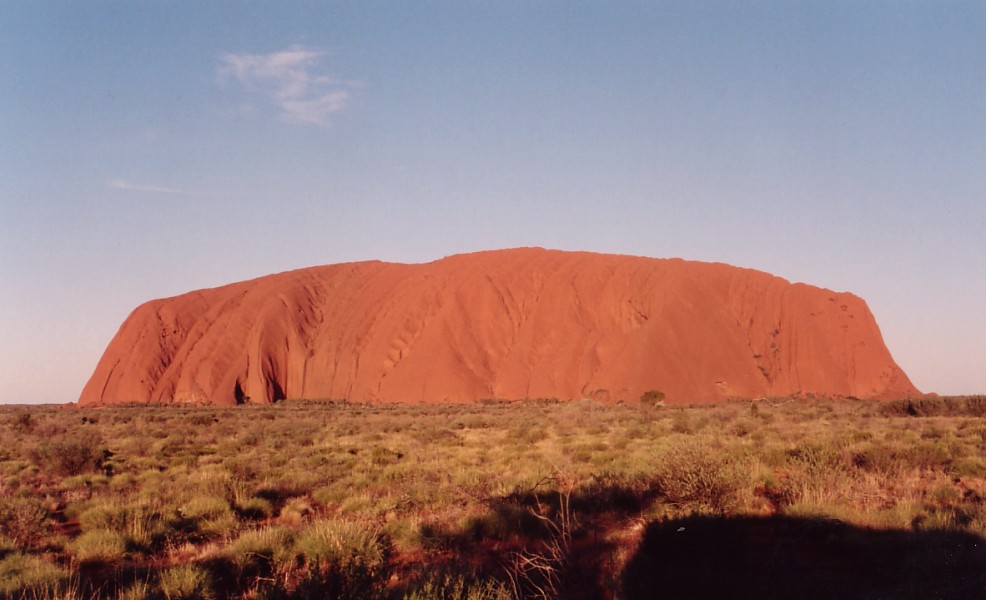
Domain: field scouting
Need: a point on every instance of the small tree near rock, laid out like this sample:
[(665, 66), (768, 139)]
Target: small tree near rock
[(652, 398)]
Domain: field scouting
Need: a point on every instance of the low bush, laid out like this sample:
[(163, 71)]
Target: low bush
[(458, 586), (972, 466), (652, 398), (99, 547), (23, 576), (23, 422), (255, 509), (504, 522), (143, 526), (341, 559), (258, 553), (876, 458), (24, 520), (205, 507), (80, 453), (186, 582), (931, 406), (815, 456), (690, 473)]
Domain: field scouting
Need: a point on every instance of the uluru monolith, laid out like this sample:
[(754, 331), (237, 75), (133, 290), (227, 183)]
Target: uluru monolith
[(510, 324)]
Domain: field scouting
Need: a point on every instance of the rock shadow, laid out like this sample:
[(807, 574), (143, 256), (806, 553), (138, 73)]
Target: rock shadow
[(785, 557)]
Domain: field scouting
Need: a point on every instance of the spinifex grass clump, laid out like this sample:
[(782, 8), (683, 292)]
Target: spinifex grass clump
[(22, 574), (186, 582), (313, 500)]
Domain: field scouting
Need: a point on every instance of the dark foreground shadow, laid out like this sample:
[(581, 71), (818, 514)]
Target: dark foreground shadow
[(781, 557)]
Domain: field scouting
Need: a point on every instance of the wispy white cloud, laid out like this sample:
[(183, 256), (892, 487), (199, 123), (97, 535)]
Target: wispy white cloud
[(120, 184), (290, 79)]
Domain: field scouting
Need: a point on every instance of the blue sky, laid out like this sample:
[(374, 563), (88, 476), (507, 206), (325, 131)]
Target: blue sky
[(151, 148)]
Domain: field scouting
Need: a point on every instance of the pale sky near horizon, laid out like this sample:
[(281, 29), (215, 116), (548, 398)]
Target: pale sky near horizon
[(150, 148)]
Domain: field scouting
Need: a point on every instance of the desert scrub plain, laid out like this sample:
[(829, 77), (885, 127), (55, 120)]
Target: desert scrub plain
[(774, 499)]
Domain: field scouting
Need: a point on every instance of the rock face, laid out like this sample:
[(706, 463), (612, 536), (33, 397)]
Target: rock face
[(513, 324)]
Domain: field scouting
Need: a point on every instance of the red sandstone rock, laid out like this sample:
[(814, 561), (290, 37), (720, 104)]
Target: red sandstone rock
[(512, 324)]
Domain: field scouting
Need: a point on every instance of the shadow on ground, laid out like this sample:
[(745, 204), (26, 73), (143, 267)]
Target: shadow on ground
[(781, 557)]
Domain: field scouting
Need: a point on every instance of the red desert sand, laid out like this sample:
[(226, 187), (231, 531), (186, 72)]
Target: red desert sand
[(510, 324)]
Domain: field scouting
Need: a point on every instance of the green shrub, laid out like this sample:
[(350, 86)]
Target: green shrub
[(140, 590), (694, 474), (931, 406), (976, 406), (876, 458), (296, 510), (255, 508), (815, 457), (137, 521), (205, 507), (686, 423), (23, 576), (23, 422), (99, 547), (209, 516), (971, 466), (186, 582), (743, 427), (506, 521), (79, 453), (202, 419), (339, 541), (926, 454), (259, 552), (342, 559), (23, 519), (101, 515), (385, 456), (459, 587), (652, 398)]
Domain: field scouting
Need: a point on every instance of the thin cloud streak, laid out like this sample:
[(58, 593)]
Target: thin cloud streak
[(120, 184), (289, 79)]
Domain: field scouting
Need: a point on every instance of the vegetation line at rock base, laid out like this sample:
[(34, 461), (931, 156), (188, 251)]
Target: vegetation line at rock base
[(498, 500)]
